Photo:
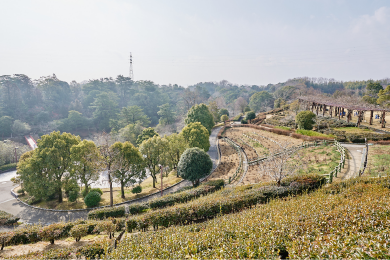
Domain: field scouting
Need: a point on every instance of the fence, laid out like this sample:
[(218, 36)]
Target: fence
[(240, 166)]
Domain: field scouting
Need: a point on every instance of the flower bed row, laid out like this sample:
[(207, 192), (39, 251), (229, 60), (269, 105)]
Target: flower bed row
[(224, 202), (165, 201)]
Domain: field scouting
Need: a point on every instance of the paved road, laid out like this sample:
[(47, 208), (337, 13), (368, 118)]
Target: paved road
[(29, 215), (354, 162)]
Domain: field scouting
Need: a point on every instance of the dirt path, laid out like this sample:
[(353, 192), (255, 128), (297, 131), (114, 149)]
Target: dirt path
[(354, 161)]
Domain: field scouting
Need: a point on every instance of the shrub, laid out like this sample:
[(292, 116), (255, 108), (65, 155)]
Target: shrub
[(137, 208), (51, 232), (218, 184), (79, 231), (7, 218), (73, 195), (20, 191), (105, 226), (92, 199), (136, 189), (84, 192), (305, 120), (71, 185), (93, 251), (102, 213), (244, 121), (7, 167), (250, 115), (5, 237), (194, 164), (312, 133)]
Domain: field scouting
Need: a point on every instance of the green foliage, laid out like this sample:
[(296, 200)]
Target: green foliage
[(146, 134), (260, 100), (280, 102), (200, 113), (384, 96), (52, 232), (128, 164), (73, 195), (105, 108), (247, 109), (137, 189), (218, 184), (194, 164), (105, 226), (223, 111), (136, 208), (196, 135), (94, 250), (244, 121), (237, 117), (130, 133), (79, 231), (213, 108), (103, 213), (312, 133), (75, 121), (175, 148), (20, 128), (305, 120), (133, 115), (283, 128), (7, 167), (7, 218), (182, 197), (373, 88), (224, 118), (92, 199), (6, 125), (42, 170), (250, 115), (167, 116)]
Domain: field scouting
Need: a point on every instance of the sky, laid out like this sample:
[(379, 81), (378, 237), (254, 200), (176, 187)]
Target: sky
[(188, 41)]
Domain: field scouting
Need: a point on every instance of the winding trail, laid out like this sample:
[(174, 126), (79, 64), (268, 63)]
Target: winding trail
[(354, 161), (30, 215)]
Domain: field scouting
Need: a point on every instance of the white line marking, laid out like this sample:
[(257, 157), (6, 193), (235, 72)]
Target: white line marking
[(7, 200)]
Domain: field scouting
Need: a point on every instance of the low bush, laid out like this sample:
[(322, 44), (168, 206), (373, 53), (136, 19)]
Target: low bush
[(84, 192), (105, 226), (102, 213), (218, 184), (5, 238), (137, 208), (51, 232), (6, 167), (182, 197), (312, 133), (136, 189), (7, 218), (20, 191), (79, 231), (94, 251), (92, 199), (224, 202), (73, 195)]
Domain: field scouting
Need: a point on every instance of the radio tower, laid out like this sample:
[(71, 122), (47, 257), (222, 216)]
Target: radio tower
[(131, 68)]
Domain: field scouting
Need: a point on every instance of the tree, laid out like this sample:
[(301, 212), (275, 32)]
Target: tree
[(260, 100), (86, 163), (124, 86), (213, 108), (133, 115), (129, 165), (250, 115), (75, 121), (20, 128), (223, 111), (176, 147), (280, 165), (146, 134), (6, 125), (167, 116), (200, 113), (247, 109), (47, 166), (384, 96), (241, 104), (105, 108), (153, 150), (130, 133), (280, 102), (373, 88), (224, 118), (285, 92), (305, 120), (294, 106), (196, 135), (194, 164)]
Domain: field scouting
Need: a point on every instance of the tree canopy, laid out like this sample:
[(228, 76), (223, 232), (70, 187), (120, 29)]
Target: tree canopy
[(200, 113), (260, 100), (196, 135)]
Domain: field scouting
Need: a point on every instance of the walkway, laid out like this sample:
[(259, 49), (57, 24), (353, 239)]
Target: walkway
[(29, 215), (355, 157)]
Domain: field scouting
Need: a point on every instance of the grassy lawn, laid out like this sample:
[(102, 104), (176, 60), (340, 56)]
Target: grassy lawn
[(147, 188), (312, 133), (378, 160), (283, 128), (354, 130)]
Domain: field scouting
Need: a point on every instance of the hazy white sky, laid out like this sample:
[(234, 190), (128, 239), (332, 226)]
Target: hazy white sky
[(188, 41)]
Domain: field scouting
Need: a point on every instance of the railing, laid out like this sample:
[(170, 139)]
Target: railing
[(249, 146), (240, 166)]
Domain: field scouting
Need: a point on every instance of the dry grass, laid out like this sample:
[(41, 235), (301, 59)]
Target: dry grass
[(147, 188), (378, 160)]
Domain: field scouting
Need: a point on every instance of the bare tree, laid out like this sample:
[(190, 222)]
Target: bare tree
[(241, 104), (281, 164)]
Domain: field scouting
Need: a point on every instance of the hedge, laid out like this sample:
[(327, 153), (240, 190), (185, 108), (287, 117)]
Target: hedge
[(115, 212), (224, 202), (7, 219), (7, 167), (182, 197), (137, 208)]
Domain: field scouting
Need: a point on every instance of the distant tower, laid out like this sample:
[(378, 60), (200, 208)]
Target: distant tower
[(131, 68)]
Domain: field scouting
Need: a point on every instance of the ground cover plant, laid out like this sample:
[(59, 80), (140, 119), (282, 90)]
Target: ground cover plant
[(344, 220), (313, 133), (7, 218)]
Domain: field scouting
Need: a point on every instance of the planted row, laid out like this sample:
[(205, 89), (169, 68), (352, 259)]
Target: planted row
[(223, 202)]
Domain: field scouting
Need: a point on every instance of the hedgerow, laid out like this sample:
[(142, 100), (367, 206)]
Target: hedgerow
[(115, 212), (7, 218), (223, 202), (352, 222)]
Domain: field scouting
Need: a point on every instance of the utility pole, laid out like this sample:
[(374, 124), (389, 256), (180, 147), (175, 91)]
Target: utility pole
[(131, 68)]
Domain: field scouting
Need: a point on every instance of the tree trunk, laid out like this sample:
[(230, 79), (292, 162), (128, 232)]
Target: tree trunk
[(86, 187), (52, 241), (122, 190), (154, 181), (59, 194), (111, 195)]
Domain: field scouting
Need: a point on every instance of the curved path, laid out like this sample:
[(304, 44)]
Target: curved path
[(30, 215), (355, 152)]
